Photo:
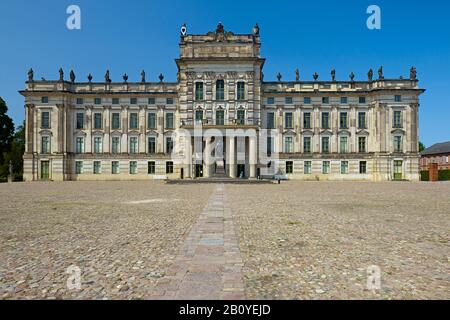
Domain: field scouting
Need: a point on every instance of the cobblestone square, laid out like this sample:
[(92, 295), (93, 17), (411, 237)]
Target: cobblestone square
[(296, 240)]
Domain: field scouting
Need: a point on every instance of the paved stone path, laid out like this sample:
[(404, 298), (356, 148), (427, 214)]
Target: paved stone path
[(209, 263)]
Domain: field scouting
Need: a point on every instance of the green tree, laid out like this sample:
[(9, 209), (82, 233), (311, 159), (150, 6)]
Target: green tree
[(6, 131), (15, 155), (421, 146)]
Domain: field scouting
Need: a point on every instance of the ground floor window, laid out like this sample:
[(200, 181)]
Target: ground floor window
[(151, 167), (344, 167), (45, 170), (307, 167), (97, 167), (326, 167), (115, 167), (79, 167), (289, 167), (362, 167), (398, 172), (133, 167), (169, 167)]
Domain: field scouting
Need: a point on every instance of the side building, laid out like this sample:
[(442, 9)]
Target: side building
[(222, 119)]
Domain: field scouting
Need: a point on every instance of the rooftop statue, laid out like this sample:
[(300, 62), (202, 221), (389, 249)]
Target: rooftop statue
[(161, 77), (72, 76), (315, 76), (352, 77), (125, 77), (333, 75), (413, 74), (297, 75), (279, 76), (107, 78), (89, 77), (142, 76), (370, 75), (30, 75), (61, 74), (380, 73), (256, 30)]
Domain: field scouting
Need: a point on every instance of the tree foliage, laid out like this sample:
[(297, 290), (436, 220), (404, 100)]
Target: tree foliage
[(6, 131), (421, 146)]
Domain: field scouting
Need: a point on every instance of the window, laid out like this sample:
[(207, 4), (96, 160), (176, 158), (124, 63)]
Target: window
[(398, 144), (133, 144), (115, 121), (307, 100), (151, 120), (288, 121), (97, 120), (198, 116), (169, 101), (79, 145), (115, 168), (343, 120), (362, 167), (133, 167), (307, 120), (97, 167), (78, 167), (133, 120), (288, 145), (397, 119), (98, 145), (343, 144), (199, 91), (169, 145), (169, 120), (307, 167), (362, 144), (151, 101), (133, 100), (344, 167), (289, 167), (326, 167), (288, 100), (220, 90), (97, 101), (45, 120), (270, 120), (45, 146), (44, 99), (152, 145), (220, 117), (240, 91), (398, 98), (241, 116), (307, 144), (115, 145), (362, 99), (151, 167), (270, 100), (344, 100), (325, 100), (169, 167), (80, 120), (325, 144), (361, 120), (79, 100), (269, 146), (325, 120), (115, 101)]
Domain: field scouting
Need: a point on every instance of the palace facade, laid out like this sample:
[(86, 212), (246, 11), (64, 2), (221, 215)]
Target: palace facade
[(222, 119)]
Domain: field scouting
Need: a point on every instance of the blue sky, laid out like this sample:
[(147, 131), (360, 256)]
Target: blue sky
[(128, 36)]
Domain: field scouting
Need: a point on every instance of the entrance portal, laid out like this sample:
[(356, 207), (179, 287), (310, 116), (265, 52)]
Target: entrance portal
[(45, 170), (241, 170), (198, 170)]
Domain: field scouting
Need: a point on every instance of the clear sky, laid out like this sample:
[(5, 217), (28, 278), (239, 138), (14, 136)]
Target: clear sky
[(128, 36)]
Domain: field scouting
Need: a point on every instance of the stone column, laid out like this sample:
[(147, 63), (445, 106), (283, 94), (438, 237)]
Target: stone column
[(231, 156), (252, 156)]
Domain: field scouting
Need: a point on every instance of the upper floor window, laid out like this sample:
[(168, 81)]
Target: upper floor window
[(397, 123), (306, 144), (220, 90), (307, 100), (241, 90), (45, 120), (362, 99), (270, 100), (397, 143), (288, 145), (169, 145), (45, 144), (80, 120), (361, 120), (97, 120), (115, 144), (115, 101), (343, 144), (270, 120), (133, 120), (152, 145), (325, 120), (133, 100), (325, 144), (98, 101), (199, 91), (115, 120), (169, 101), (80, 101), (240, 117), (307, 120), (98, 145), (362, 144), (288, 120), (325, 100), (398, 98), (288, 100), (199, 115), (344, 100), (44, 99), (343, 120), (133, 145), (151, 101), (220, 117), (79, 145), (169, 120), (151, 120)]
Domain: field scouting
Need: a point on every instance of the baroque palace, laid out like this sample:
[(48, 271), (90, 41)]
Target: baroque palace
[(221, 119)]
